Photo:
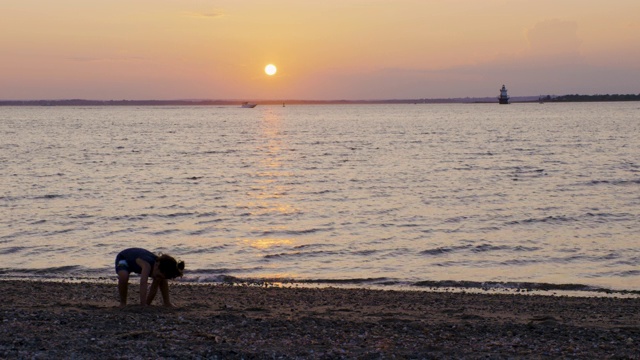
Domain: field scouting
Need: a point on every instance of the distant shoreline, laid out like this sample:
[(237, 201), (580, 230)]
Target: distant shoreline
[(468, 100)]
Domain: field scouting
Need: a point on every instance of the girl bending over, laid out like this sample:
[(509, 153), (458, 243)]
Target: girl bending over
[(160, 268)]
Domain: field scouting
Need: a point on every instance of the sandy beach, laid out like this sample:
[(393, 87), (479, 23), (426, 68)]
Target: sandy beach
[(54, 320)]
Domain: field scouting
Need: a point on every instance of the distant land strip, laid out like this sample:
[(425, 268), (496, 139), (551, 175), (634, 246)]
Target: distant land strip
[(467, 100), (592, 98)]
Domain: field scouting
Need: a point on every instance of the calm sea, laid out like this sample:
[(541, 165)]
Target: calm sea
[(393, 195)]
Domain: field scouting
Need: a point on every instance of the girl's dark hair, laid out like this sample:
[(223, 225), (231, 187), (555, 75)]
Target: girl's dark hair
[(170, 267)]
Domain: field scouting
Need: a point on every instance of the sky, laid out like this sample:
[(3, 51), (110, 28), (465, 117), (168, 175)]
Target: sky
[(323, 50)]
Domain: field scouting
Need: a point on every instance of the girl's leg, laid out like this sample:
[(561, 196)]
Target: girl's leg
[(123, 286)]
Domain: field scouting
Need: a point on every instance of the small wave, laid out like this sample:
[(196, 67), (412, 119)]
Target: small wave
[(442, 250), (519, 262), (233, 280), (49, 175), (219, 272), (354, 281), (299, 254), (322, 192), (311, 246), (111, 233), (208, 250), (527, 173), (175, 215), (526, 286), (58, 232), (629, 273), (212, 221), (548, 219), (49, 197), (215, 152), (164, 232), (426, 285), (291, 232), (489, 247), (456, 219), (93, 276), (17, 234), (618, 274), (477, 249), (207, 214), (12, 250), (58, 269), (44, 272), (608, 217), (408, 225), (615, 182), (128, 217), (526, 248), (81, 216), (365, 252), (11, 198)]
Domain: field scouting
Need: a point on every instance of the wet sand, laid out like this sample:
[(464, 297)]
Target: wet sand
[(49, 320)]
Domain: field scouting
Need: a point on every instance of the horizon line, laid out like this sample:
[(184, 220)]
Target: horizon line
[(523, 98)]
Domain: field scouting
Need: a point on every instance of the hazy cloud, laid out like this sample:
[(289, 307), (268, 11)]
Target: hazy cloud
[(208, 15), (105, 59), (632, 25), (554, 37)]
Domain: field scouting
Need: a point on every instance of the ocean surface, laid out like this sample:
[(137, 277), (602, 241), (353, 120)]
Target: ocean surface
[(408, 196)]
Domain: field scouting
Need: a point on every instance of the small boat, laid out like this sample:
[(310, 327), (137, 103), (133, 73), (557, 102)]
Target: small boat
[(248, 105)]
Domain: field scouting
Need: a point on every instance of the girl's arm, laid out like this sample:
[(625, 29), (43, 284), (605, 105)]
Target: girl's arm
[(152, 291), (144, 278), (164, 290)]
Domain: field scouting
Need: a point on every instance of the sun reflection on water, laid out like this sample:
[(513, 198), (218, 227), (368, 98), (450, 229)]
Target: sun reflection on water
[(268, 243), (267, 196)]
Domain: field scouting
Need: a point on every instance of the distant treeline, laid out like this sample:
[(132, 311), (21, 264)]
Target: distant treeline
[(81, 102), (548, 98), (588, 98)]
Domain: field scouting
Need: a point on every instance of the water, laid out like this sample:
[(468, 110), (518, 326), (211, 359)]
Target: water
[(401, 194)]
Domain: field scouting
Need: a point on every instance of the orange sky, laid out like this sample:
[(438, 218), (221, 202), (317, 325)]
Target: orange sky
[(330, 49)]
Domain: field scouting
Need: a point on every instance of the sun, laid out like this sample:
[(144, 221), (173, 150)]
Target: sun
[(270, 69)]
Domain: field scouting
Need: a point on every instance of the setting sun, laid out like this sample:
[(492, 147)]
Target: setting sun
[(270, 69)]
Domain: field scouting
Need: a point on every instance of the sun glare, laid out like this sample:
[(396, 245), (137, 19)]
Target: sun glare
[(270, 69)]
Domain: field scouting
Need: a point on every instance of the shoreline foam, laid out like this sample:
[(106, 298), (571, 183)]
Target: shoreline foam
[(480, 287)]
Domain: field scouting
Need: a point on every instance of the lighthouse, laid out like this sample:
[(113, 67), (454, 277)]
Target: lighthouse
[(504, 98)]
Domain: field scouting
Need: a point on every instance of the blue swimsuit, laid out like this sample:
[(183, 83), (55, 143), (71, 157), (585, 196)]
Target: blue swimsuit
[(126, 259)]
